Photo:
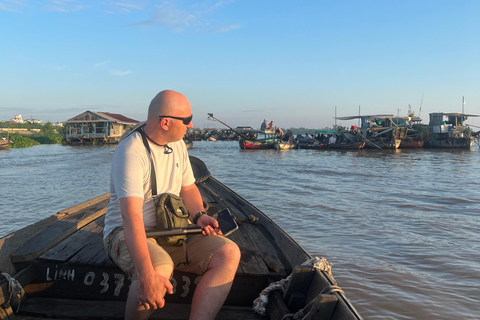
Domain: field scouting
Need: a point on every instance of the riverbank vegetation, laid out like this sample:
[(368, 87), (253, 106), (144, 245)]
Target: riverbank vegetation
[(47, 134)]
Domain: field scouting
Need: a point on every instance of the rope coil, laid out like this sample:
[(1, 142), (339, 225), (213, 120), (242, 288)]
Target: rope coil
[(321, 264), (14, 288)]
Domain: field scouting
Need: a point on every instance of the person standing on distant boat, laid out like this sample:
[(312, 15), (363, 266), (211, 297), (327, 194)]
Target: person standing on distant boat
[(131, 210), (269, 126), (263, 126), (278, 132)]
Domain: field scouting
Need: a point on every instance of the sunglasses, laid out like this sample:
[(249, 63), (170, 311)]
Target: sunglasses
[(186, 120)]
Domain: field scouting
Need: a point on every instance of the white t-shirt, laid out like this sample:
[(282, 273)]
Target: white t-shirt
[(130, 176)]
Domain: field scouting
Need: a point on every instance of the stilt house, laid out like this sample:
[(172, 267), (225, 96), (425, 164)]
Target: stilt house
[(92, 127)]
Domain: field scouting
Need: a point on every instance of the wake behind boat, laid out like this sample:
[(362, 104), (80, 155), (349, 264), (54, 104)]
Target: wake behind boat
[(59, 268)]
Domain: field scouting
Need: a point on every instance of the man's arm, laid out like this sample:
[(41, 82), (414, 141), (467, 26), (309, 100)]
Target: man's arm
[(149, 293), (193, 200)]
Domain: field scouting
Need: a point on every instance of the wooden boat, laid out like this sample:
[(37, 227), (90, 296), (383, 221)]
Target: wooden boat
[(383, 143), (355, 145), (286, 145), (5, 143), (65, 273), (315, 145), (448, 130), (409, 143), (188, 142), (381, 131), (258, 140)]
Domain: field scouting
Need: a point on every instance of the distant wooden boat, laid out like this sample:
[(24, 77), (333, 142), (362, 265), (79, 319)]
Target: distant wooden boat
[(311, 144), (258, 140), (390, 142), (411, 143), (286, 145), (5, 143), (211, 138), (448, 130), (65, 272), (188, 142), (356, 145)]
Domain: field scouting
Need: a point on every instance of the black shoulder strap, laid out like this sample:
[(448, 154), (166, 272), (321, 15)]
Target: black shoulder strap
[(153, 179)]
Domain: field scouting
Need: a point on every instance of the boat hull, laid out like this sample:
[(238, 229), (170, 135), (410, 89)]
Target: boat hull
[(286, 145), (451, 143), (411, 144), (379, 143), (66, 273), (346, 146), (5, 143), (255, 145)]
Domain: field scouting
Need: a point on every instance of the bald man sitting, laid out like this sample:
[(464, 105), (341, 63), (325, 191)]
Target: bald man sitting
[(131, 210)]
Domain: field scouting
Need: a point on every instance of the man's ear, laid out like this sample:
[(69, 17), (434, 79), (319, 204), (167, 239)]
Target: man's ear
[(164, 123)]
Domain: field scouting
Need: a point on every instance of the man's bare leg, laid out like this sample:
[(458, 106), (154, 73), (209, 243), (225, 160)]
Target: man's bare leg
[(213, 288), (134, 311)]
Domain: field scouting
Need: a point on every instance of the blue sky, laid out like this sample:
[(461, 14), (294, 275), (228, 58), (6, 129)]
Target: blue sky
[(292, 62)]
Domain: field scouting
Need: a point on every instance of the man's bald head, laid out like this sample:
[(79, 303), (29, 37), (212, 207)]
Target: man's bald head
[(168, 103)]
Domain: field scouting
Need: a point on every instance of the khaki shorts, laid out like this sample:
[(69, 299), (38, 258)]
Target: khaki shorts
[(200, 250)]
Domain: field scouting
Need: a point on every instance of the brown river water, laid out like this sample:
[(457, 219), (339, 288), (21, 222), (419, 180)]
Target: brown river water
[(402, 228)]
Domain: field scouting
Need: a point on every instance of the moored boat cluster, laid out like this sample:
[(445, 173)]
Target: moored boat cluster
[(445, 130)]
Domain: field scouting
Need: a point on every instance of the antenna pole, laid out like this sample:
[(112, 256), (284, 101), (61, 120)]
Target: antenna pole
[(420, 110), (359, 116), (335, 119)]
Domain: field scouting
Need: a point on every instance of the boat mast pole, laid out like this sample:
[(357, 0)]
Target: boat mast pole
[(335, 129), (358, 116), (420, 110), (211, 117)]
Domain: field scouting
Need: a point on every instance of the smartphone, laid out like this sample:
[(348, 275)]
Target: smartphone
[(226, 222)]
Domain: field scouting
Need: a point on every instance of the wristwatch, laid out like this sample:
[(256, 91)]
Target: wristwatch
[(197, 216)]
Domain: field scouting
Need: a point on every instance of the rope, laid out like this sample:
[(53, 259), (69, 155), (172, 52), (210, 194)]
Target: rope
[(321, 264), (260, 303), (14, 287), (251, 219)]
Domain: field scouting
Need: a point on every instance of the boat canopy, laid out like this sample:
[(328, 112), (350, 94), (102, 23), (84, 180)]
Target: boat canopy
[(374, 116)]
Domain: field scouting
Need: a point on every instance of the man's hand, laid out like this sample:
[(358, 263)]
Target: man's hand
[(209, 225), (151, 291)]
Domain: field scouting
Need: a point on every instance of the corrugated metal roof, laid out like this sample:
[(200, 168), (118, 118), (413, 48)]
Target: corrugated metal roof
[(96, 116), (120, 117)]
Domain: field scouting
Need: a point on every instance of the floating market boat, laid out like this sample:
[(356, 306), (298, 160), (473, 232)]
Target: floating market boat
[(286, 145), (58, 268), (250, 138), (188, 142), (448, 130), (355, 145), (5, 143), (381, 131)]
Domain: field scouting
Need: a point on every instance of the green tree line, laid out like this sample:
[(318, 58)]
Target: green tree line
[(49, 134)]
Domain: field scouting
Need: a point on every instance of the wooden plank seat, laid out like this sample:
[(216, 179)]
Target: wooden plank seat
[(75, 218)]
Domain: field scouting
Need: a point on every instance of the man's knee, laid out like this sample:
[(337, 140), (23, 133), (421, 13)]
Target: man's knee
[(229, 254)]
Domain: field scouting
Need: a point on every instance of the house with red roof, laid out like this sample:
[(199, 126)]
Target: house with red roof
[(93, 127)]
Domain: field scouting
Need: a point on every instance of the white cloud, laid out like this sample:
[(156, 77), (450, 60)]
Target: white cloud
[(120, 73), (228, 28), (196, 16), (127, 7), (11, 5), (64, 5), (101, 64)]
